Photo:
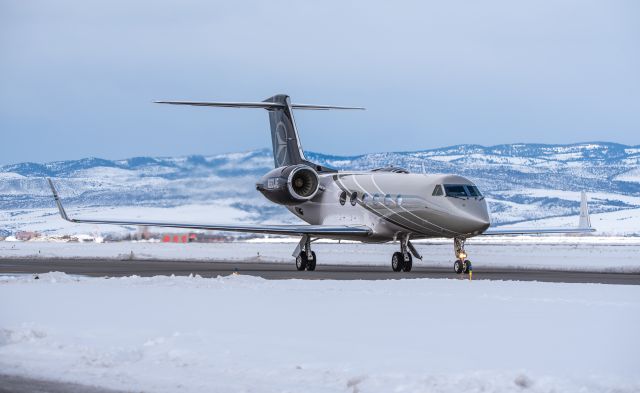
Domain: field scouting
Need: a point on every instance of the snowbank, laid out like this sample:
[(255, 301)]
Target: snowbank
[(189, 334)]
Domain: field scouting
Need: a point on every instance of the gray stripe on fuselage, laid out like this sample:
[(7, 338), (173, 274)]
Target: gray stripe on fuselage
[(395, 214), (338, 180), (373, 180)]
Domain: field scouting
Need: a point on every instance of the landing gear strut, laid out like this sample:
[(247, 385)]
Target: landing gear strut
[(403, 261), (305, 258), (462, 264)]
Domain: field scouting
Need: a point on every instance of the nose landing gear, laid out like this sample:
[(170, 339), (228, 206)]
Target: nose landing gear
[(462, 264)]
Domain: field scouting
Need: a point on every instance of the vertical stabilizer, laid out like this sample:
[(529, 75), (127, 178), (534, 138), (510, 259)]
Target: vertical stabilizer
[(284, 134)]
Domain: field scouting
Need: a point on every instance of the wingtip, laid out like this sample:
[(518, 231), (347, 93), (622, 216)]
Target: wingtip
[(53, 188), (61, 210), (584, 219)]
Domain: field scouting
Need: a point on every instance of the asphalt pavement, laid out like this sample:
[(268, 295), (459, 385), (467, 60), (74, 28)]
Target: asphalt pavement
[(22, 384), (279, 271)]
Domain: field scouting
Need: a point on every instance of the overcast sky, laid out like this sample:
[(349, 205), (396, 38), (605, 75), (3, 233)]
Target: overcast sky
[(77, 78)]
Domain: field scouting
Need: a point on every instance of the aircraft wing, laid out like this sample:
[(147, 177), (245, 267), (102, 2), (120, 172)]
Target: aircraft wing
[(535, 231), (584, 225), (312, 230)]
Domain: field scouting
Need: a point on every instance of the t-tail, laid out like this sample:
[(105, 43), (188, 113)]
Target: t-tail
[(287, 149)]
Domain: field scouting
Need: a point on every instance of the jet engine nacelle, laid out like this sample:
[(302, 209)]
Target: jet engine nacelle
[(290, 185)]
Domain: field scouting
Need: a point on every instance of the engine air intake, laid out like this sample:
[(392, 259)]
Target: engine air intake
[(303, 182), (290, 185)]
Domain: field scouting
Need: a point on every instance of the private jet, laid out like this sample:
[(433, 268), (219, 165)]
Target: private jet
[(387, 204)]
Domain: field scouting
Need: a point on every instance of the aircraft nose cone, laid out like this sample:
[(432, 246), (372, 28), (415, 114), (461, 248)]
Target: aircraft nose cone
[(482, 223), (472, 216), (480, 220), (473, 224)]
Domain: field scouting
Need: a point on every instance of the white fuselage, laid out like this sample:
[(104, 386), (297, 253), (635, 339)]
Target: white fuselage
[(395, 204)]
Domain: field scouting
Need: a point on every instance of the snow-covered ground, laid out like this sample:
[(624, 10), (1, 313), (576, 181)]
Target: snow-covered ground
[(246, 334), (565, 253)]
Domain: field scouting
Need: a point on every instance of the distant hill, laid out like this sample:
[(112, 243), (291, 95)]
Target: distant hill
[(522, 181)]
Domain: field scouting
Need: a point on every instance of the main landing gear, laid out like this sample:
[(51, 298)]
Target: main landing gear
[(462, 264), (305, 258), (403, 261)]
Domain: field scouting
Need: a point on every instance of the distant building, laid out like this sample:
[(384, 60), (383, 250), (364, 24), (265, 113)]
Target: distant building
[(26, 235), (194, 238), (179, 238)]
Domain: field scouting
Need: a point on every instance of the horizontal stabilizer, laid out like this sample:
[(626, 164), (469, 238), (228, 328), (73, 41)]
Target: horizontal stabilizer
[(264, 105)]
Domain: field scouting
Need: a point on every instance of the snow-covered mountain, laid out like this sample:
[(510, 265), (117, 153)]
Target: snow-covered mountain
[(522, 182)]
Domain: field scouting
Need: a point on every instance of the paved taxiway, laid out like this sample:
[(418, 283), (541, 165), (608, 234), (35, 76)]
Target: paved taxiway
[(18, 384), (115, 268)]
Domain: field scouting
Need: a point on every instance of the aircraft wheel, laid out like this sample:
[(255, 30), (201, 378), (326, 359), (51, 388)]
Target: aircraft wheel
[(397, 261), (408, 264), (467, 266), (301, 261), (311, 263), (457, 266)]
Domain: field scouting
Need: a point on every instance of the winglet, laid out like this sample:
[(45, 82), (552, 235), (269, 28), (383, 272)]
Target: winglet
[(585, 221), (63, 213)]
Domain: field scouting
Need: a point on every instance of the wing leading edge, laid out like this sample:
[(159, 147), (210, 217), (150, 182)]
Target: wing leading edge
[(534, 231), (584, 225), (311, 230)]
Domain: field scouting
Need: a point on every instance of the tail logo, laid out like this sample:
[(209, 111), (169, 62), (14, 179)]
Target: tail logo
[(281, 144)]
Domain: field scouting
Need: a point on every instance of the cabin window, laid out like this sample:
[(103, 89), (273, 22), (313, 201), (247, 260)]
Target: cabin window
[(388, 201), (399, 200), (343, 198), (366, 198), (376, 199), (455, 190), (437, 191), (354, 198)]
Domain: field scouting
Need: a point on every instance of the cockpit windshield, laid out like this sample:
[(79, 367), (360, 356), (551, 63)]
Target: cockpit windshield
[(455, 190), (461, 191), (473, 191)]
